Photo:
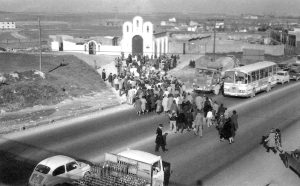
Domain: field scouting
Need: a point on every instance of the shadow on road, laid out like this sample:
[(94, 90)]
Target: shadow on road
[(16, 165), (14, 170), (283, 159)]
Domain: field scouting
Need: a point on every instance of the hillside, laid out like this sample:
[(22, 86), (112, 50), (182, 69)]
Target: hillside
[(21, 85)]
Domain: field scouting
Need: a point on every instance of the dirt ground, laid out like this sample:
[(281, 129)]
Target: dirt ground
[(70, 107)]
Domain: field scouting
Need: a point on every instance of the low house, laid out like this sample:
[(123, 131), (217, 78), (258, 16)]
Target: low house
[(93, 45)]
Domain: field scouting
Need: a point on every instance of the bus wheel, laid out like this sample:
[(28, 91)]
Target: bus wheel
[(252, 93), (268, 88)]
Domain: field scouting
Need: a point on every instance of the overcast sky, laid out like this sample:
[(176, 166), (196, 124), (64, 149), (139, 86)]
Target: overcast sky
[(275, 7)]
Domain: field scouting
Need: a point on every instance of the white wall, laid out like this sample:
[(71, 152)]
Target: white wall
[(72, 47), (110, 50), (162, 44), (7, 25), (55, 46)]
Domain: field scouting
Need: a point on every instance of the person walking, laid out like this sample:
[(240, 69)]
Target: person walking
[(198, 124), (138, 106), (209, 117), (158, 105), (271, 141), (159, 140), (173, 117), (110, 79), (143, 104), (227, 130), (181, 120), (234, 120), (103, 75)]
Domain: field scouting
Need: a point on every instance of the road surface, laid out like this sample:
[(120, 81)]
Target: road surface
[(194, 160)]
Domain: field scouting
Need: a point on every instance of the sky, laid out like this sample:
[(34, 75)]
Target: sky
[(274, 7)]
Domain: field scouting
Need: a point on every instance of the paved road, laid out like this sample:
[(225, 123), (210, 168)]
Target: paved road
[(194, 160)]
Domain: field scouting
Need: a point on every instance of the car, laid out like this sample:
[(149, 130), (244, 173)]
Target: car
[(295, 73), (283, 76), (58, 170), (292, 160)]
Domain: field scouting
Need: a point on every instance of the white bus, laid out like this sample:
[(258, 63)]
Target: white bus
[(246, 81)]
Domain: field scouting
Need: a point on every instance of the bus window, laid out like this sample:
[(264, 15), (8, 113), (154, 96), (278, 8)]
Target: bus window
[(240, 77), (270, 71), (253, 76), (266, 72), (274, 69), (257, 75), (249, 79), (261, 73), (229, 77)]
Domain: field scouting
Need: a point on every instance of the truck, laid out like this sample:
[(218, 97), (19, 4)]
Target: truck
[(209, 74), (128, 168), (294, 71)]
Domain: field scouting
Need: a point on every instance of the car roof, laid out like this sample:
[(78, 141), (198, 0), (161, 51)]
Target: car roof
[(56, 161), (141, 156)]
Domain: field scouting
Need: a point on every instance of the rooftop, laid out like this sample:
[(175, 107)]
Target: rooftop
[(140, 156)]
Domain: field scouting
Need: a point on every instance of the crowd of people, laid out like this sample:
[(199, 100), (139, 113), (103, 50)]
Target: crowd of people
[(147, 87)]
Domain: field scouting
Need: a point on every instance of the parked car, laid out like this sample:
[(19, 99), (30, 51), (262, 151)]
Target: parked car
[(283, 76), (292, 160), (295, 73), (58, 170)]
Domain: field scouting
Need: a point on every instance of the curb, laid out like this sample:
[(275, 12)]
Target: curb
[(62, 118)]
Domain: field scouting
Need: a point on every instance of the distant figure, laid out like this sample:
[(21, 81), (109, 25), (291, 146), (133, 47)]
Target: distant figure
[(160, 142), (234, 120), (110, 79), (103, 75), (198, 124)]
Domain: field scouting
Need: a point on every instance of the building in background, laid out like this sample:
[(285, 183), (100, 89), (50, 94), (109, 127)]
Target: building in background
[(137, 37), (107, 45), (7, 25)]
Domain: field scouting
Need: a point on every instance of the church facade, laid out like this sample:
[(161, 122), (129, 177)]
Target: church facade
[(137, 37)]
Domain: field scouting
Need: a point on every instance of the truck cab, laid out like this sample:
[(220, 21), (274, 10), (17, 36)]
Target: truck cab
[(149, 163)]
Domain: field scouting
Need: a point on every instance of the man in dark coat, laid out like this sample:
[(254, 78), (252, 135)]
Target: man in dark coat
[(110, 79), (160, 141), (103, 75), (234, 120)]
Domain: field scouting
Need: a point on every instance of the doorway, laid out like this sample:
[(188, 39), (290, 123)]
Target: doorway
[(137, 45), (92, 48)]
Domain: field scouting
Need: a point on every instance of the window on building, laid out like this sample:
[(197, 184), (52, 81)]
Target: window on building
[(127, 28), (137, 23), (147, 28)]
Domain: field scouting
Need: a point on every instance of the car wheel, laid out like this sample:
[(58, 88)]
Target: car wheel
[(86, 174), (286, 162)]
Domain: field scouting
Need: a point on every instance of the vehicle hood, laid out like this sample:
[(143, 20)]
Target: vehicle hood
[(37, 179)]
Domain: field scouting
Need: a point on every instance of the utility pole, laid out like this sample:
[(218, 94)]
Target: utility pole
[(214, 46), (40, 43)]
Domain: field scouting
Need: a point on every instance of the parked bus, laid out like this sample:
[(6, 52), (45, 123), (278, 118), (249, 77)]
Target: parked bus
[(247, 80), (206, 79)]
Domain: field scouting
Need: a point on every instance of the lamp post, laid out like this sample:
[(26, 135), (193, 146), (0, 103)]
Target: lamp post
[(214, 46)]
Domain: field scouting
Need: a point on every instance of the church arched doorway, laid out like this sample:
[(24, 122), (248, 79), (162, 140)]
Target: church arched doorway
[(137, 45), (92, 48)]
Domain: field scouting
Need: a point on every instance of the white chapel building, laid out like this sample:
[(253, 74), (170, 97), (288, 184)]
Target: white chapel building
[(137, 37)]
